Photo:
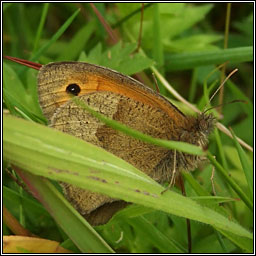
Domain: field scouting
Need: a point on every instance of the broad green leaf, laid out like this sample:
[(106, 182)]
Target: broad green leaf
[(200, 42), (119, 58)]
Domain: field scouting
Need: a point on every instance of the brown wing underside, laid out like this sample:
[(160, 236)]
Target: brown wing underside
[(76, 121), (54, 78)]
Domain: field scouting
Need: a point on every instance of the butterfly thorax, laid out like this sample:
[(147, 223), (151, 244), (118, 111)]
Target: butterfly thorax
[(195, 131), (198, 129)]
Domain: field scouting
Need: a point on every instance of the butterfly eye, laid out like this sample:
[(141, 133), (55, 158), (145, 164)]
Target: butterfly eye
[(73, 89)]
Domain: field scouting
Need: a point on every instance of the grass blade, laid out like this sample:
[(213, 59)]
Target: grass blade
[(84, 236), (184, 61), (63, 157), (248, 171), (55, 37), (231, 182)]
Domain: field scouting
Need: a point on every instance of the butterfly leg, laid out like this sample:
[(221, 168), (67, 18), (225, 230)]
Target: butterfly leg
[(173, 174), (212, 181)]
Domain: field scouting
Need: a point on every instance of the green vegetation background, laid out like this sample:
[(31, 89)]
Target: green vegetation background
[(185, 43)]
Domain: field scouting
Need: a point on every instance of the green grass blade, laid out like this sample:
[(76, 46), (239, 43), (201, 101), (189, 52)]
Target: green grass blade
[(212, 200), (184, 61), (41, 25), (181, 146), (158, 239), (241, 242), (185, 33), (55, 37), (78, 43), (81, 233), (247, 108), (247, 168), (231, 182), (200, 190), (13, 197), (16, 96), (60, 156), (221, 150)]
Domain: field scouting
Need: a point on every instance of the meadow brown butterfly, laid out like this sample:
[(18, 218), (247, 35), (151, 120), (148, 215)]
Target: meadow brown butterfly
[(128, 101)]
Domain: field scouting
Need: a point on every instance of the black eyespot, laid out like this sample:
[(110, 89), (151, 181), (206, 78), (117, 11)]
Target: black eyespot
[(73, 89)]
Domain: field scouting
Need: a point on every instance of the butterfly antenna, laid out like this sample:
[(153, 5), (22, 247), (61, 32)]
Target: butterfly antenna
[(222, 84), (220, 105), (155, 82)]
